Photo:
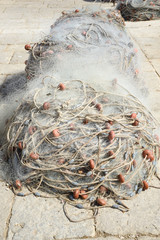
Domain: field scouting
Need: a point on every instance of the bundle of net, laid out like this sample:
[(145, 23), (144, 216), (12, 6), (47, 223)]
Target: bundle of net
[(139, 10), (90, 148), (92, 35)]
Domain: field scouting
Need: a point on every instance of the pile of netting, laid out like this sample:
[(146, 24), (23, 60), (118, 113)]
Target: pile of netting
[(83, 146), (139, 10), (94, 36)]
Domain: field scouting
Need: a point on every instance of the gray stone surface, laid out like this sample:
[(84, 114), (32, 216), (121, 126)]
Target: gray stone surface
[(149, 238), (43, 219), (6, 201), (101, 238), (2, 78), (19, 57), (6, 69), (156, 65), (34, 218), (143, 217)]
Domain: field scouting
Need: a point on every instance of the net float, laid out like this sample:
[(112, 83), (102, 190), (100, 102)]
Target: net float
[(85, 121), (107, 126), (21, 145), (111, 153), (71, 126), (64, 12), (32, 129), (136, 123), (133, 115), (151, 157), (27, 47), (76, 11), (101, 201), (56, 133), (61, 161), (121, 178), (46, 105), (76, 193), (99, 106), (145, 185), (61, 86), (50, 52), (18, 184), (110, 122), (136, 71), (147, 153), (134, 163), (111, 135), (34, 156), (156, 137), (83, 195), (69, 46), (102, 189), (91, 164)]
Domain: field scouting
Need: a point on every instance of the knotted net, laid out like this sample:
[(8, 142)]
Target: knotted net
[(94, 36), (139, 10), (83, 146)]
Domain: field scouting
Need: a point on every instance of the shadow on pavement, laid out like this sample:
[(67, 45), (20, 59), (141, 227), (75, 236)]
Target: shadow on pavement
[(13, 84)]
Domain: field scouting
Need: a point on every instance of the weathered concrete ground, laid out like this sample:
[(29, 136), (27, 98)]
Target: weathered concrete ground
[(43, 219)]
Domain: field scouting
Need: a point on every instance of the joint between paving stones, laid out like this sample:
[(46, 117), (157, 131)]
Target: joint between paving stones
[(8, 220)]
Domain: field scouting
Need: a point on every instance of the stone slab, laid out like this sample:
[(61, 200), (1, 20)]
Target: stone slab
[(156, 65), (6, 201), (142, 218), (44, 219), (11, 68), (149, 238), (145, 32), (2, 78), (19, 57), (5, 56), (153, 23), (100, 238)]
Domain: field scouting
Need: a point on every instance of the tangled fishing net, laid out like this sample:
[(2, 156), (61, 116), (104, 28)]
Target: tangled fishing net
[(94, 36), (139, 10), (83, 146)]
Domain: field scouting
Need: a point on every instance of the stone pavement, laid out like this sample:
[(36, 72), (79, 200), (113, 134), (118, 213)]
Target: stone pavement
[(27, 21)]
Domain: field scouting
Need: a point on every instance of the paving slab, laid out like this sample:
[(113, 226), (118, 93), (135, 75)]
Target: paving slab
[(6, 69), (2, 78), (44, 219), (146, 32), (6, 56), (100, 238), (19, 57), (6, 202), (142, 218), (35, 218), (149, 238), (156, 64)]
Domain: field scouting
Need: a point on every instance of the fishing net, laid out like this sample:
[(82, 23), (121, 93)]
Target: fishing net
[(139, 10), (83, 146), (94, 36)]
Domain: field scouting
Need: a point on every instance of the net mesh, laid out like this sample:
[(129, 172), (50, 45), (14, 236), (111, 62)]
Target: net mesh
[(83, 145), (94, 36), (139, 10)]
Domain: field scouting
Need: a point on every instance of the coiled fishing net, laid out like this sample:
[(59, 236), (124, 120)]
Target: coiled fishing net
[(83, 145), (139, 10), (94, 36)]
